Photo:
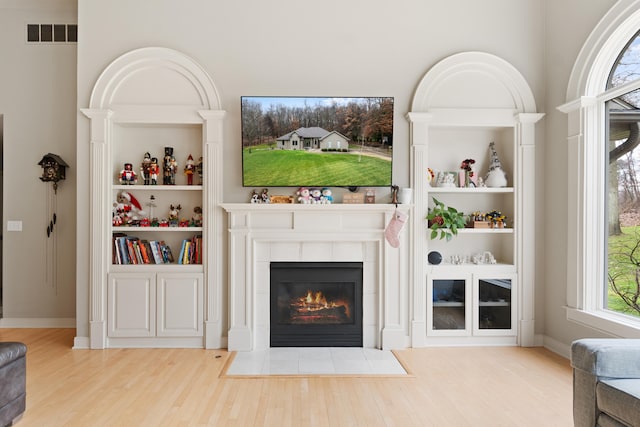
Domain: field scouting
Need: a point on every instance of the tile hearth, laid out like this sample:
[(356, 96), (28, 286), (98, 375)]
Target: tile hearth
[(315, 361)]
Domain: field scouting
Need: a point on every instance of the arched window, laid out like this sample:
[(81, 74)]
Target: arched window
[(621, 295), (603, 231)]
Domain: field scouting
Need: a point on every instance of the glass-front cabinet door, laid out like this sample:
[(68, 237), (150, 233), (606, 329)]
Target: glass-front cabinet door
[(494, 299), (448, 312)]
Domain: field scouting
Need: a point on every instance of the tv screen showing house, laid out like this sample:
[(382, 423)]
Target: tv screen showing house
[(316, 141)]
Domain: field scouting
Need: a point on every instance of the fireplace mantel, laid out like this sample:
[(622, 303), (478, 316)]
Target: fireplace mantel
[(263, 233)]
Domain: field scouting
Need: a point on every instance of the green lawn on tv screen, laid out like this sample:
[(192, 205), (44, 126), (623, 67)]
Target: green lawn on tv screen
[(293, 168)]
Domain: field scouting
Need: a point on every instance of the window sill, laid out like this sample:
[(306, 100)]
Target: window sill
[(607, 323)]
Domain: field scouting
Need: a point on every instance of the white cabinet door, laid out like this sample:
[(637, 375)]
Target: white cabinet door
[(131, 305), (180, 304)]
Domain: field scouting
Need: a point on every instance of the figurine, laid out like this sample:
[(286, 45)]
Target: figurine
[(128, 175), (196, 219), (255, 197), (496, 177), (154, 170), (189, 169), (199, 169), (174, 214), (169, 167), (151, 204), (145, 168)]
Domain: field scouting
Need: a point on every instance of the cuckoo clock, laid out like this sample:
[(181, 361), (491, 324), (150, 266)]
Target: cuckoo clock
[(53, 169)]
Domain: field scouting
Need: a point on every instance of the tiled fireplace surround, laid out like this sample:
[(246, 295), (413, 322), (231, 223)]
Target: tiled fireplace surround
[(261, 234)]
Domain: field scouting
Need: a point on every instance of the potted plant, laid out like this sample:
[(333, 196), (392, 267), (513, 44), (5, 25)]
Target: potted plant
[(444, 221)]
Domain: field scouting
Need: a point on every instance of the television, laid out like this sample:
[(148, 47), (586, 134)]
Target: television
[(316, 141)]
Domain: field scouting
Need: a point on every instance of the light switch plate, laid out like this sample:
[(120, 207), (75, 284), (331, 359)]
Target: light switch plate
[(14, 225)]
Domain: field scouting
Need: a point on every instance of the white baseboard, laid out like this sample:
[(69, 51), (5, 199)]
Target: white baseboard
[(81, 343), (557, 347), (38, 322)]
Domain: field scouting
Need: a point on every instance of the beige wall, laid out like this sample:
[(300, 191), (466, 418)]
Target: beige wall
[(38, 103)]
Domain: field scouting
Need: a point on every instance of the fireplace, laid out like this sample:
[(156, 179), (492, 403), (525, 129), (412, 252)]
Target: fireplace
[(316, 304)]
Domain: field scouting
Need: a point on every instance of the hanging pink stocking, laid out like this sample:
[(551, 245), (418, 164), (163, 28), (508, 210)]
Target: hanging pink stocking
[(392, 232)]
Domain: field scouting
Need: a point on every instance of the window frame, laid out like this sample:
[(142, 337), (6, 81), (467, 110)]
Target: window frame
[(586, 173)]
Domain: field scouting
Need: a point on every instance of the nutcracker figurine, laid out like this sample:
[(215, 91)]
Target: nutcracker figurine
[(189, 169), (128, 175)]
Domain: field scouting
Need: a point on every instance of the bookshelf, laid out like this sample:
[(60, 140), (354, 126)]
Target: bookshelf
[(155, 246), (461, 105)]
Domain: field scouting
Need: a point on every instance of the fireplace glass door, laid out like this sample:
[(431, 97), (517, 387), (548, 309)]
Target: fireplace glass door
[(316, 304)]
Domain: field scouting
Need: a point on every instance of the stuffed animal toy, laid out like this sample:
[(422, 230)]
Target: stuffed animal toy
[(327, 198), (316, 196), (127, 208), (265, 196), (304, 196)]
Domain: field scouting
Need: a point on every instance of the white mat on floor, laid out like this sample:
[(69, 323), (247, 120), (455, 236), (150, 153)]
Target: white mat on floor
[(310, 361)]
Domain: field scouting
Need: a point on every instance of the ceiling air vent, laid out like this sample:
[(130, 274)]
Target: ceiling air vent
[(52, 33)]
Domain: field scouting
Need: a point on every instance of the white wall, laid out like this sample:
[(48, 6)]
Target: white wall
[(38, 102)]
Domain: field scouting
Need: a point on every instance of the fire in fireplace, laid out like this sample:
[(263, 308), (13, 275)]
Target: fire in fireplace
[(316, 304)]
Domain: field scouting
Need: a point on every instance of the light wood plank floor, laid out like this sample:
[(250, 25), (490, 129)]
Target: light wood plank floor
[(497, 386)]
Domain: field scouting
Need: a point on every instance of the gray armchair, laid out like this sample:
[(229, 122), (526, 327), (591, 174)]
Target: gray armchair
[(13, 367), (606, 382)]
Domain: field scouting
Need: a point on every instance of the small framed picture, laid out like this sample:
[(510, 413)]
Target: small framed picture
[(447, 179)]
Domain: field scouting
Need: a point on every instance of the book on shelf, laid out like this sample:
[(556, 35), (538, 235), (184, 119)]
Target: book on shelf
[(165, 250), (128, 250), (191, 251), (155, 251)]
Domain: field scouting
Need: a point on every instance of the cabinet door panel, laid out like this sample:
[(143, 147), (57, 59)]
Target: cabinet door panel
[(448, 305), (131, 305), (179, 310), (494, 297)]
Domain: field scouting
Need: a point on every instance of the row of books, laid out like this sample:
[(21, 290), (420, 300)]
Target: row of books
[(191, 251), (132, 250)]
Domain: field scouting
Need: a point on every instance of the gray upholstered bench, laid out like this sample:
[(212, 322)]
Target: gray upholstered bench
[(13, 381), (606, 382)]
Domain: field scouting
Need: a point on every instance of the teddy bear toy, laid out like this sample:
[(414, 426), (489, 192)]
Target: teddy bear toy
[(316, 196), (326, 198), (304, 195), (127, 209)]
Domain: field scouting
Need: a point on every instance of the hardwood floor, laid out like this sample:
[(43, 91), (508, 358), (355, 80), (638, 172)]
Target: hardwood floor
[(496, 386)]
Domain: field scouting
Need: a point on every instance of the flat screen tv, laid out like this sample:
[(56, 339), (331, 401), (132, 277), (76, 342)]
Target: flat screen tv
[(316, 141)]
